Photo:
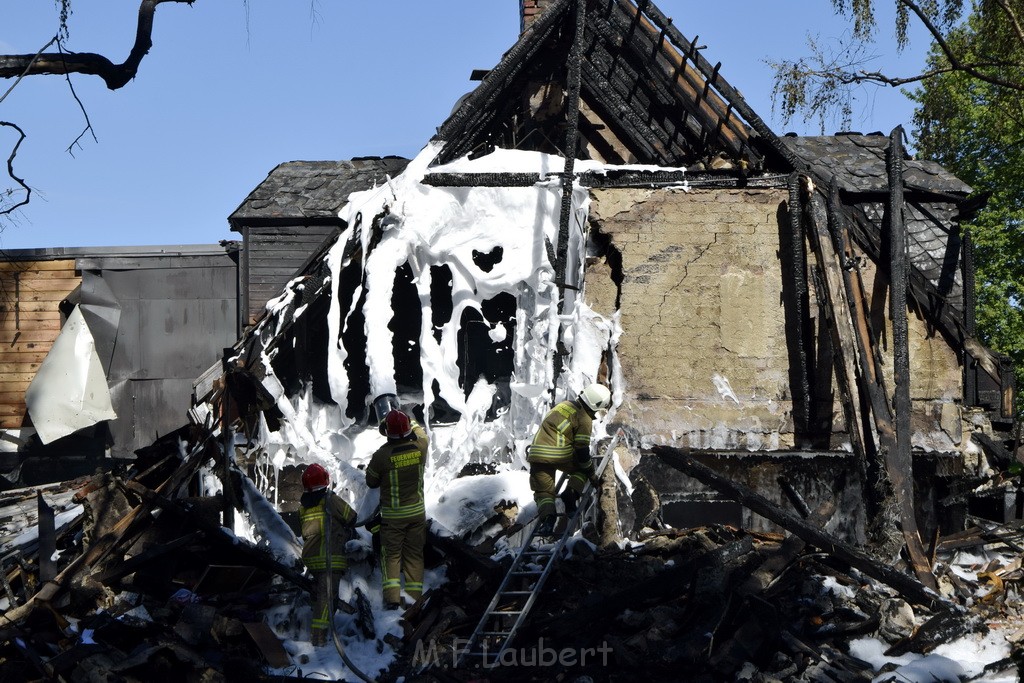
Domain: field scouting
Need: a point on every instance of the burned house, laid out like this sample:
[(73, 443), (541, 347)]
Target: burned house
[(785, 324), (287, 216), (780, 306)]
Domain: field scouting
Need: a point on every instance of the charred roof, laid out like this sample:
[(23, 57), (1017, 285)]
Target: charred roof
[(647, 94), (311, 192), (858, 164)]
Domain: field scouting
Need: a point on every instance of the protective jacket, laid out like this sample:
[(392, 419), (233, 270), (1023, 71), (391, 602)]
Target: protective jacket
[(318, 552), (564, 431), (397, 468)]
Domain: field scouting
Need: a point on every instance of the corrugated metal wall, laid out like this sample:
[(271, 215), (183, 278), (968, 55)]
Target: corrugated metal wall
[(177, 316)]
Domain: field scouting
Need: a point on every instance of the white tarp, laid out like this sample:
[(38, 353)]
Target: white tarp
[(69, 392)]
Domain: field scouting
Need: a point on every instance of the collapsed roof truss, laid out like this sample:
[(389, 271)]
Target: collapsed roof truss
[(647, 95)]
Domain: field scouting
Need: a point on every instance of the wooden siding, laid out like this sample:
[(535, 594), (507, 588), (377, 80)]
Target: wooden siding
[(30, 296), (274, 256)]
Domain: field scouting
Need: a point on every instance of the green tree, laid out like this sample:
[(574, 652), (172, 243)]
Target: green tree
[(824, 84), (975, 128)]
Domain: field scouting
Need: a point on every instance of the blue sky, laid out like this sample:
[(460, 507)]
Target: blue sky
[(232, 88)]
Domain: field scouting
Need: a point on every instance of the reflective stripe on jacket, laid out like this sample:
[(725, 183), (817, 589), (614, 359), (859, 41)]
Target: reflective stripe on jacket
[(565, 428), (317, 555), (397, 468)]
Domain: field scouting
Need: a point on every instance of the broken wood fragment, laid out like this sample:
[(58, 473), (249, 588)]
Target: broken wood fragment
[(217, 534), (268, 643), (945, 626), (909, 587)]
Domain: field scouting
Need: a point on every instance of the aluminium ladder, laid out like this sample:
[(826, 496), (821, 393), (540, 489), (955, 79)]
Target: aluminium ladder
[(532, 566)]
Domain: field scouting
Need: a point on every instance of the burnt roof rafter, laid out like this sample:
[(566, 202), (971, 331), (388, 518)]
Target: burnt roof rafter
[(654, 93), (659, 72)]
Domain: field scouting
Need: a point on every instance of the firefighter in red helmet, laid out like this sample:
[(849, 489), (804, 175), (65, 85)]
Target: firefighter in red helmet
[(397, 469), (327, 525)]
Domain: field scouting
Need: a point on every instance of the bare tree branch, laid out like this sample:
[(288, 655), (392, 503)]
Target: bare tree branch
[(25, 73), (114, 75), (88, 123), (10, 170)]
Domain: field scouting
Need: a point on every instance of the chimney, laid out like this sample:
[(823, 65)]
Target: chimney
[(529, 10)]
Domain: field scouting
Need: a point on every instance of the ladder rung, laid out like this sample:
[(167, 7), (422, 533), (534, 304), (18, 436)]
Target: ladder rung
[(495, 633), (527, 572), (502, 613), (516, 593)]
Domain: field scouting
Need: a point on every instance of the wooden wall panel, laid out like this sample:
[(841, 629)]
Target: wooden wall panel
[(30, 296), (275, 254)]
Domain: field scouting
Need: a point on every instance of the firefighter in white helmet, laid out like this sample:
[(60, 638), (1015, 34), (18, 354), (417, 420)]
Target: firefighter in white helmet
[(563, 444)]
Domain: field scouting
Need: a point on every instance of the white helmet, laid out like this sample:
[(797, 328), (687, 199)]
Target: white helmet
[(596, 397)]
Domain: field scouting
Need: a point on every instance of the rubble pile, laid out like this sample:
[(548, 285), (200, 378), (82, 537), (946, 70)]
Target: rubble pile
[(147, 585), (718, 603)]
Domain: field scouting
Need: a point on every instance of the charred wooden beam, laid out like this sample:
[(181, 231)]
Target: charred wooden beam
[(909, 587), (136, 562), (948, 316), (702, 102), (894, 476), (794, 497), (642, 88), (844, 346), (941, 628), (796, 294), (456, 132), (47, 541), (482, 179), (611, 178), (996, 452), (572, 117), (786, 553), (898, 269)]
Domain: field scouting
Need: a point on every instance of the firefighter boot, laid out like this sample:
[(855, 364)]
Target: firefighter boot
[(546, 526), (570, 498)]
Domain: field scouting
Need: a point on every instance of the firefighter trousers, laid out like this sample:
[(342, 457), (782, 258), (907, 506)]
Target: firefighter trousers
[(402, 542), (544, 478), (325, 587)]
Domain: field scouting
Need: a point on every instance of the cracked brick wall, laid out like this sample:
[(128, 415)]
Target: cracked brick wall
[(698, 280)]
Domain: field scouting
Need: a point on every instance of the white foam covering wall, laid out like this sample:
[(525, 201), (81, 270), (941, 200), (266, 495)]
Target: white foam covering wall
[(425, 226)]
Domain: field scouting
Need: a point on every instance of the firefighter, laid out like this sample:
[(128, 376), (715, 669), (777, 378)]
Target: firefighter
[(397, 468), (563, 443), (327, 525)]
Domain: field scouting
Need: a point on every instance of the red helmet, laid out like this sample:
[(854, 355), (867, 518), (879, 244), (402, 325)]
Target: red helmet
[(315, 478), (397, 424)]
